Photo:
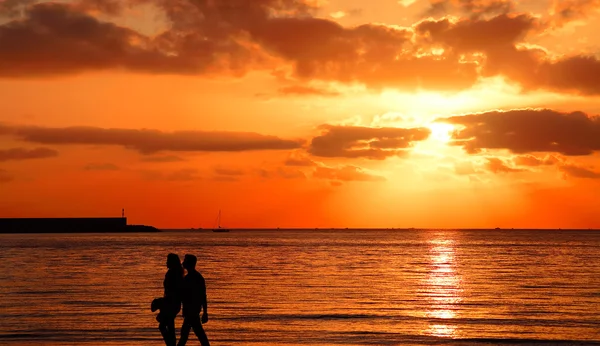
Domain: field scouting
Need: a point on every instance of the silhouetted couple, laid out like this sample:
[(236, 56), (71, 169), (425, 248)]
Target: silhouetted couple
[(189, 291)]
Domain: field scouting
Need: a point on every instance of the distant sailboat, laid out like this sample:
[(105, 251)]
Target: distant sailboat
[(219, 228)]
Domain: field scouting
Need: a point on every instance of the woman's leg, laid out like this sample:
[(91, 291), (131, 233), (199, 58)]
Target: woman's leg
[(167, 330), (172, 335), (164, 331)]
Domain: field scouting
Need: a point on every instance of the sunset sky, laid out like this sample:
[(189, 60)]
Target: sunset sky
[(302, 113)]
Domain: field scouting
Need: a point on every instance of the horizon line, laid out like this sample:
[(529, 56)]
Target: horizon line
[(380, 228)]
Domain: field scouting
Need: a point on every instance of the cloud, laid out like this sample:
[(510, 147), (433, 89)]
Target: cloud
[(579, 74), (296, 159), (568, 10), (228, 171), (151, 141), (528, 131), (110, 7), (205, 37), (495, 35), (496, 165), (499, 40), (5, 176), (374, 55), (185, 174), (227, 174), (56, 39), (234, 37), (281, 172), (101, 167), (475, 8), (307, 91), (345, 173), (571, 170), (226, 178), (568, 169), (217, 37), (162, 158), (26, 154), (14, 8), (376, 143), (355, 12), (465, 168), (532, 161)]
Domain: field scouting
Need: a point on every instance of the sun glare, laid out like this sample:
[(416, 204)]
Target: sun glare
[(441, 132)]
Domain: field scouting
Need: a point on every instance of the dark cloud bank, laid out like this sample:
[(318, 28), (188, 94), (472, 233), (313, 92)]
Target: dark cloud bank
[(233, 36), (367, 142), (150, 141), (18, 154), (528, 131), (334, 141)]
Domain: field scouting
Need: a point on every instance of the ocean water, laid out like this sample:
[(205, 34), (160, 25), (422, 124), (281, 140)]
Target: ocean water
[(384, 287)]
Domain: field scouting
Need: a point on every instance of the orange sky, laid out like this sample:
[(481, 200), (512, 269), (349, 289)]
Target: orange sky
[(302, 113)]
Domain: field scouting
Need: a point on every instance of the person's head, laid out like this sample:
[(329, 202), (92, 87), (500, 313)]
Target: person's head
[(173, 261), (189, 262)]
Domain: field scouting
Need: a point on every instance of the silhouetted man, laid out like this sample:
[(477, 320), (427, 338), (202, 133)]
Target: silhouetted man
[(194, 301)]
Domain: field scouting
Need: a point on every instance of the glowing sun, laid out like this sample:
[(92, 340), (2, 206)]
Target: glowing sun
[(441, 132)]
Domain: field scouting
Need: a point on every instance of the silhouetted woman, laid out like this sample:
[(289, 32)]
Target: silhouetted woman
[(171, 302)]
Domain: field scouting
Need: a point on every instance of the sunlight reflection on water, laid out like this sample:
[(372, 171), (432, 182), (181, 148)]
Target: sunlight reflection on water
[(445, 286)]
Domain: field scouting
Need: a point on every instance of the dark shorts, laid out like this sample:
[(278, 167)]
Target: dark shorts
[(191, 311), (192, 320)]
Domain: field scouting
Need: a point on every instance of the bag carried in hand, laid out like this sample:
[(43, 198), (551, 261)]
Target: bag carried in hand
[(156, 304)]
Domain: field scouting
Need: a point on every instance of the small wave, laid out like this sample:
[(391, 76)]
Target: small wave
[(515, 341), (278, 317), (457, 321)]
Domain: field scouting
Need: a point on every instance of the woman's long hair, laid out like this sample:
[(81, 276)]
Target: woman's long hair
[(174, 263)]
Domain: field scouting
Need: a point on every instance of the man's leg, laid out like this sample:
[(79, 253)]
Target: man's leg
[(185, 332), (199, 331)]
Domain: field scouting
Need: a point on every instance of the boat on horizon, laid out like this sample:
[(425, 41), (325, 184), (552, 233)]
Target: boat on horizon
[(220, 229)]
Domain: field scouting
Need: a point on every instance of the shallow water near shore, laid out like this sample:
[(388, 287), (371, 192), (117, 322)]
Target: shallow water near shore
[(290, 287)]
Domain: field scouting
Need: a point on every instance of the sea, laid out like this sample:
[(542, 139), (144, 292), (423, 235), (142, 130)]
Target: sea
[(309, 287)]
